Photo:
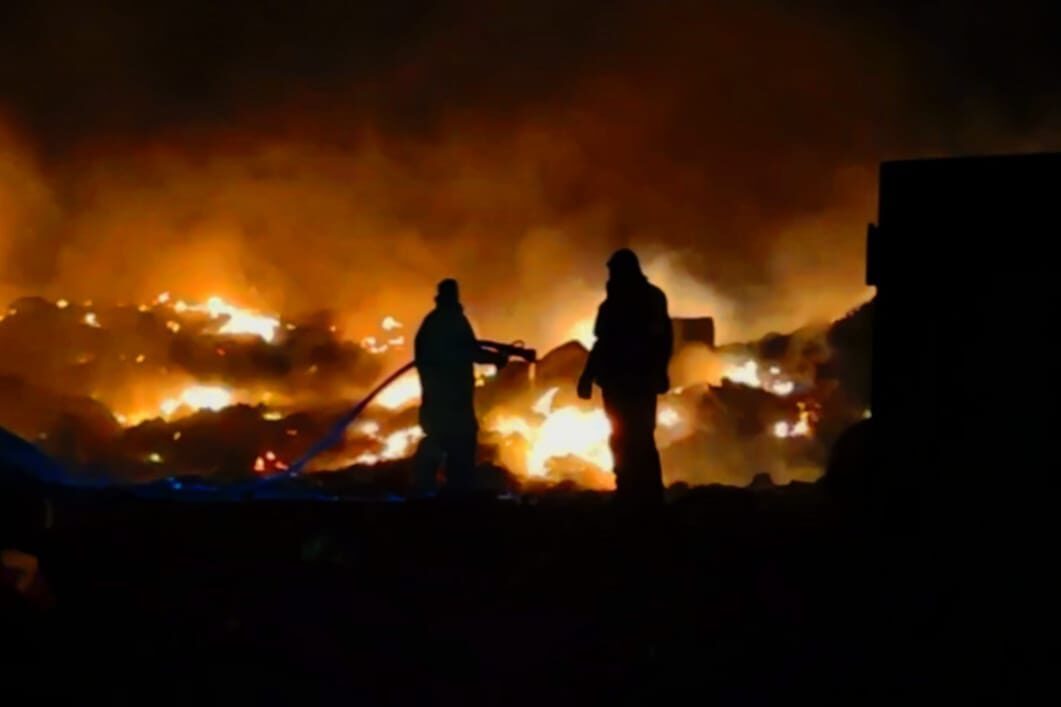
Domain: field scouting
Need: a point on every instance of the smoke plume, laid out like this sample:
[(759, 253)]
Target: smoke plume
[(294, 159)]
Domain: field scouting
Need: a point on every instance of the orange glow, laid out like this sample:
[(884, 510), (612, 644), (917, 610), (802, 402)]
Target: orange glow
[(746, 373), (402, 393), (396, 445), (582, 332), (370, 344), (668, 417), (750, 374), (197, 397), (400, 444), (802, 427), (268, 462), (557, 433), (369, 428), (239, 321)]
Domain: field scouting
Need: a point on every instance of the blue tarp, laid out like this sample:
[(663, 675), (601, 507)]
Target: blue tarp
[(23, 462)]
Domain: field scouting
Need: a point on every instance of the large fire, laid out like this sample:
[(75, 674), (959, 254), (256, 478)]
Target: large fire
[(551, 433), (221, 358)]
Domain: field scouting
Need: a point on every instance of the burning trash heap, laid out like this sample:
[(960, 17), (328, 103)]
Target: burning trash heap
[(172, 388)]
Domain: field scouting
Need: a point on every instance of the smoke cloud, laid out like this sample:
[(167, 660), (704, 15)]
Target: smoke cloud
[(330, 157)]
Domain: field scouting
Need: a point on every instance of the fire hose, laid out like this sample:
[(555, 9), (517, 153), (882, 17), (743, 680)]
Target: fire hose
[(338, 430)]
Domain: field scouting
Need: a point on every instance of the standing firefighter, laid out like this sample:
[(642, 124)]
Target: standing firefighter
[(446, 351), (629, 363)]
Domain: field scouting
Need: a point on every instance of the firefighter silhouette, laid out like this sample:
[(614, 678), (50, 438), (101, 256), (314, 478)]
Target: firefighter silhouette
[(445, 353), (629, 363)]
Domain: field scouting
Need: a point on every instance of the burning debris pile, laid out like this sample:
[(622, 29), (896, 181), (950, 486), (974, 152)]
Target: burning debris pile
[(175, 388)]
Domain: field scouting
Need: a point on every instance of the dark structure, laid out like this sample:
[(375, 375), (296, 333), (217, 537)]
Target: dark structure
[(964, 403), (698, 330), (961, 259)]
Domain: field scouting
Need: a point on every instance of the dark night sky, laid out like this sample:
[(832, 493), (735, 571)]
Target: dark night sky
[(72, 70), (746, 134)]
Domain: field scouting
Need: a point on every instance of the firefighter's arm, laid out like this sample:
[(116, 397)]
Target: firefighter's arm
[(481, 355)]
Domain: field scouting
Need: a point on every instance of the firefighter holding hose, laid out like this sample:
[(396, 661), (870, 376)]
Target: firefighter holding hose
[(446, 350), (446, 354)]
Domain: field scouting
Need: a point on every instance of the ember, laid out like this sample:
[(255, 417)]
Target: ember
[(749, 373), (268, 463), (800, 428)]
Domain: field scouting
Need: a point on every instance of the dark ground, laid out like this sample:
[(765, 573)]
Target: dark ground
[(728, 597)]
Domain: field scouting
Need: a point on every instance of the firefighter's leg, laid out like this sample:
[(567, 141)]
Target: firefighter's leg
[(619, 443), (647, 471), (460, 461), (425, 467), (638, 474)]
